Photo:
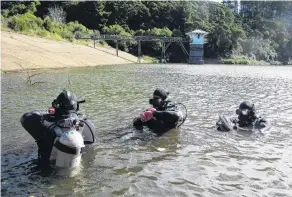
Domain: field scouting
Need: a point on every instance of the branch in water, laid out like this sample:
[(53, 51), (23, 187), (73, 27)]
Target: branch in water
[(37, 82)]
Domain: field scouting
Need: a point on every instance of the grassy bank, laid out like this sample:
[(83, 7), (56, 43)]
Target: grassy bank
[(249, 61), (29, 24), (243, 60)]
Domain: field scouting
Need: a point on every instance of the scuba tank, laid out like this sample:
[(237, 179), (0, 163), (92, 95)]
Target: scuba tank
[(68, 149), (69, 143)]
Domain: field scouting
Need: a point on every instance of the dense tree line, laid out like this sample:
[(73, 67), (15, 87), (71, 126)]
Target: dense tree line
[(258, 30)]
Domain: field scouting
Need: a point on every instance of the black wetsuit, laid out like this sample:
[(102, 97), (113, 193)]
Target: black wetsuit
[(41, 126), (165, 118), (255, 121)]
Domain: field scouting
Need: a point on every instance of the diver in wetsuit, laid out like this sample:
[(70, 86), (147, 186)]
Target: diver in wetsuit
[(44, 127), (246, 117), (163, 116)]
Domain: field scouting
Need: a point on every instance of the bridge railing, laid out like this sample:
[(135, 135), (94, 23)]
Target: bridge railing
[(137, 38)]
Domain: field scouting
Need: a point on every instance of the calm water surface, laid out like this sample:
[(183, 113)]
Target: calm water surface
[(195, 160)]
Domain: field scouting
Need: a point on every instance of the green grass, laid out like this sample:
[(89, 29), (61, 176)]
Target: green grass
[(148, 59), (28, 24), (243, 60)]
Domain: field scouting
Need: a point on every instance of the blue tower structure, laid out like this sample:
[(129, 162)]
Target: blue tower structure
[(197, 40)]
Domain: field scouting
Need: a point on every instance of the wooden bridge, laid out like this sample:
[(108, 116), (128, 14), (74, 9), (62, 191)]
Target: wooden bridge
[(166, 41)]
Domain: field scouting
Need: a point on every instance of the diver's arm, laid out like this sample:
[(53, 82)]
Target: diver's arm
[(166, 116), (137, 123), (36, 123), (32, 119), (263, 122)]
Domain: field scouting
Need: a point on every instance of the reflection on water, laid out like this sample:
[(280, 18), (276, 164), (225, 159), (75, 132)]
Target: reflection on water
[(195, 160)]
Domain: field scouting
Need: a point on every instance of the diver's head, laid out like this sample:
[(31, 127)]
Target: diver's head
[(159, 97), (246, 112), (65, 101)]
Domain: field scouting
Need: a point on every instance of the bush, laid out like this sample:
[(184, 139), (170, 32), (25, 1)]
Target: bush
[(159, 32), (34, 23), (5, 13), (18, 23), (119, 30), (113, 30), (32, 7), (261, 49), (89, 31), (75, 27), (25, 22), (275, 63), (154, 48), (48, 24), (234, 61), (102, 42), (243, 60), (17, 9), (42, 33), (28, 22), (139, 32), (57, 14), (67, 35), (55, 36), (3, 21), (59, 28)]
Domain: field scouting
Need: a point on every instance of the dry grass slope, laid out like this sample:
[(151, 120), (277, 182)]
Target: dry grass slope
[(35, 53)]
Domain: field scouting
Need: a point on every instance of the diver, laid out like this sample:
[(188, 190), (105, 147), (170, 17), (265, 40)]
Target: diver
[(163, 116), (46, 126), (246, 118)]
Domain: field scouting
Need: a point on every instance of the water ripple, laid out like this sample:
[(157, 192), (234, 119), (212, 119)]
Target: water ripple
[(194, 160)]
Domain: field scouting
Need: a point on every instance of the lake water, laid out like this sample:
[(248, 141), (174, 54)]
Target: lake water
[(195, 160)]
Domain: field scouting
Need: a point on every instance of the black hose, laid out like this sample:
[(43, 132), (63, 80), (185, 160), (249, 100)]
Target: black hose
[(88, 142), (186, 114), (82, 101)]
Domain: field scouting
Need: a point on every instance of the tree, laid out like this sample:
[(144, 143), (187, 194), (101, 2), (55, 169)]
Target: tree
[(57, 15)]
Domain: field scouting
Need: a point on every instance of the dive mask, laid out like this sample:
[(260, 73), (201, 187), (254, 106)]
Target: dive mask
[(155, 100), (243, 112)]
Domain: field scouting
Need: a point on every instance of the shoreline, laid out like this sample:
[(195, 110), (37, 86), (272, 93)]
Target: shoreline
[(57, 68), (20, 52), (103, 65)]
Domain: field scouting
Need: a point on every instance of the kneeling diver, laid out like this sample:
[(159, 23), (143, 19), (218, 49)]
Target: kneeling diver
[(45, 126), (246, 119), (163, 116)]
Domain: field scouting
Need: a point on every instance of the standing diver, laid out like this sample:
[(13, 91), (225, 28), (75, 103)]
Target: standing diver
[(163, 116), (45, 127), (246, 118)]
